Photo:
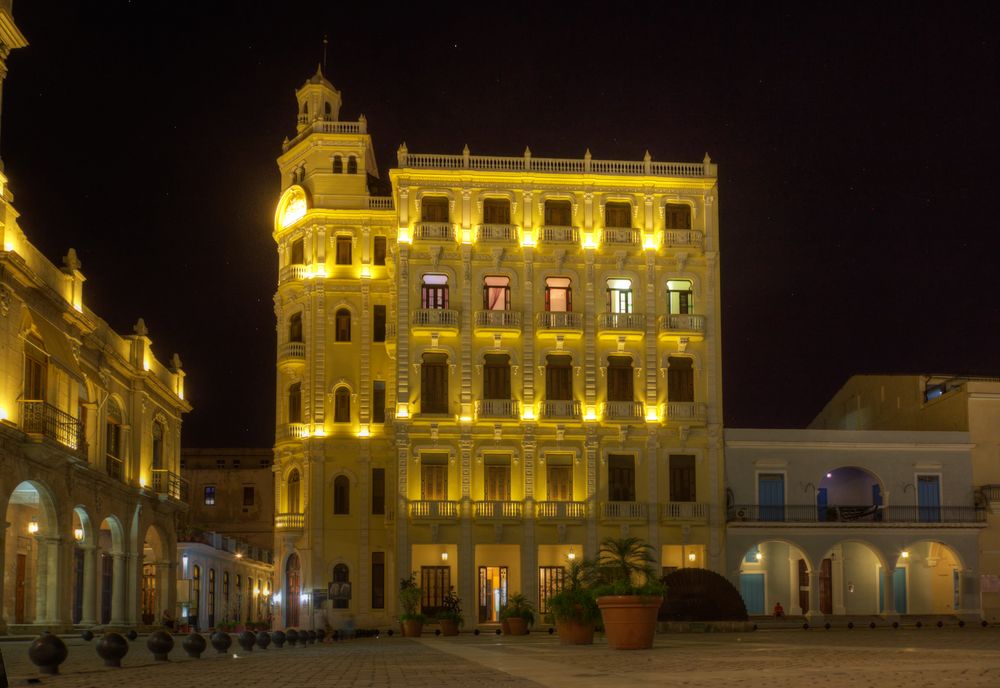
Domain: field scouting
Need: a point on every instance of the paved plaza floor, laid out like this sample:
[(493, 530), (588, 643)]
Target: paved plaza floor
[(859, 658)]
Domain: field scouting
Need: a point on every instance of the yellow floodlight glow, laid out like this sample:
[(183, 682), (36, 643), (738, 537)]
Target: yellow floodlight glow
[(466, 236), (588, 241), (33, 525), (692, 556), (465, 419), (652, 416), (319, 431), (527, 238), (904, 554), (142, 482), (78, 534), (528, 414), (403, 236), (366, 272), (591, 414), (760, 556), (402, 410), (364, 431), (4, 415), (8, 245), (650, 243)]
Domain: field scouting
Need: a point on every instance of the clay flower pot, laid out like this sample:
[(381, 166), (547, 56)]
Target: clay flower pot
[(629, 620), (575, 632), (517, 625), (448, 626), (412, 628)]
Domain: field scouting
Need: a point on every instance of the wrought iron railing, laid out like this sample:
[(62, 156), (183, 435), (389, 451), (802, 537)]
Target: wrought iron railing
[(42, 418), (855, 514), (168, 483)]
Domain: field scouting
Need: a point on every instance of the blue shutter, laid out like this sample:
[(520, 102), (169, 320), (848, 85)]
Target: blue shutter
[(821, 504), (771, 490), (752, 590), (929, 498)]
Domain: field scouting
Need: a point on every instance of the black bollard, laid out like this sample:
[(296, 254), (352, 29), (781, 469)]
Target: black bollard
[(312, 637), (47, 653), (263, 640), (279, 638), (871, 625), (293, 637), (194, 644), (160, 643), (87, 635), (246, 639), (221, 641), (551, 630), (320, 634), (111, 648), (827, 625), (132, 634)]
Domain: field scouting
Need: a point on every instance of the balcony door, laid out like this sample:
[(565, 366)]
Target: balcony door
[(496, 376), (497, 483), (620, 379), (559, 480), (929, 498), (558, 378), (680, 379), (771, 496), (434, 477), (621, 478)]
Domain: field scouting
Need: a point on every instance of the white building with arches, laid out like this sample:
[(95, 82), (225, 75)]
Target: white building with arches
[(853, 523)]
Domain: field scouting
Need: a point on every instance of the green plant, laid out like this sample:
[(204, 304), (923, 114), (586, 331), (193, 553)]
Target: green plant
[(626, 567), (518, 607), (576, 600), (451, 608), (409, 599)]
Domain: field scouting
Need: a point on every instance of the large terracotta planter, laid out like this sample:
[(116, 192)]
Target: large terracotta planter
[(505, 627), (412, 628), (448, 626), (517, 625), (575, 632), (629, 620)]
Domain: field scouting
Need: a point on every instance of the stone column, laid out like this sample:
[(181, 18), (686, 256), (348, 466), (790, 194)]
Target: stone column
[(163, 585), (41, 578), (4, 525), (89, 612), (889, 595), (118, 571), (814, 613)]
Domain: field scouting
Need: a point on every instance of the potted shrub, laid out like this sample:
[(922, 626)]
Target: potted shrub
[(574, 608), (411, 619), (631, 595), (519, 614), (450, 616)]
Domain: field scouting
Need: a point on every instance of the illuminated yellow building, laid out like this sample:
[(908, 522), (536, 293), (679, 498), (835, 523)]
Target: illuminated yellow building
[(90, 425), (488, 372)]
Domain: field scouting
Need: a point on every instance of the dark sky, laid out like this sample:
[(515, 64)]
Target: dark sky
[(857, 157)]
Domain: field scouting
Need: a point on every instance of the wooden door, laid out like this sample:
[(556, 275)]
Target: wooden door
[(22, 568)]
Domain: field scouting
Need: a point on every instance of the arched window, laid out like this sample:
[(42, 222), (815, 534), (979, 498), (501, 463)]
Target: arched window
[(341, 587), (297, 253), (157, 444), (295, 403), (327, 111), (292, 492), (352, 165), (677, 216), (341, 495), (238, 607), (210, 602), (195, 595), (434, 209), (434, 291), (343, 325), (225, 592), (342, 405), (496, 293), (295, 327), (338, 165), (679, 297), (618, 215), (113, 447), (305, 107)]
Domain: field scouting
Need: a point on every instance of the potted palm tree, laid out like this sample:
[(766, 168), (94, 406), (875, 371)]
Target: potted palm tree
[(519, 614), (450, 616), (574, 607), (631, 595), (411, 619)]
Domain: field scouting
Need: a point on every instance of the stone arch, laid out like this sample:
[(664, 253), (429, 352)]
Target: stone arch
[(849, 492), (33, 555), (846, 575), (770, 572), (111, 542), (932, 578), (292, 571), (155, 587)]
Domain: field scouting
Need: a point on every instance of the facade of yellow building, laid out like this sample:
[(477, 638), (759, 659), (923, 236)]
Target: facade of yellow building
[(484, 374)]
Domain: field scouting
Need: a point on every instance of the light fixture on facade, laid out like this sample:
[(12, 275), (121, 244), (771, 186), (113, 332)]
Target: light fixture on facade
[(590, 415), (364, 431), (905, 554), (402, 410), (650, 243), (466, 236), (444, 556), (366, 272), (829, 475), (760, 556), (692, 556), (78, 534), (33, 525), (588, 241), (142, 482), (528, 414), (572, 555), (652, 416), (403, 235), (239, 555)]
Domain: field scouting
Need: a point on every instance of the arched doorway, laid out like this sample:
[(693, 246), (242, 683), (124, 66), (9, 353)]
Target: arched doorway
[(155, 576), (31, 574), (111, 545), (775, 572), (293, 588), (927, 580), (848, 579), (849, 494)]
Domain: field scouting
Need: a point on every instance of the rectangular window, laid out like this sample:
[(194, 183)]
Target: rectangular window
[(496, 293), (550, 581), (248, 495), (434, 477), (558, 378), (558, 295), (344, 250), (680, 379), (434, 384), (621, 478), (434, 291), (496, 376), (209, 495), (378, 580), (558, 213), (34, 377), (682, 485), (378, 250), (619, 296), (435, 582), (679, 298), (621, 379), (378, 401), (434, 209), (378, 323), (378, 491), (929, 498), (297, 256), (559, 480), (497, 480), (677, 216), (496, 211), (618, 215)]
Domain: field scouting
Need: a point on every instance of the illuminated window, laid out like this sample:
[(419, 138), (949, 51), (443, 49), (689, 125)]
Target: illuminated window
[(496, 211), (620, 379), (618, 215), (209, 495), (292, 492), (679, 298), (352, 165), (496, 293), (558, 213), (341, 495), (619, 295), (344, 250), (677, 216), (342, 405), (434, 209), (338, 165), (378, 250), (434, 383), (297, 254), (295, 403), (157, 444), (680, 379), (295, 327), (343, 325), (558, 294), (434, 291)]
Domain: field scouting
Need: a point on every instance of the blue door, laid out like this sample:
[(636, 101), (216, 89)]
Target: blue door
[(821, 504), (752, 590), (771, 491), (929, 498), (898, 590)]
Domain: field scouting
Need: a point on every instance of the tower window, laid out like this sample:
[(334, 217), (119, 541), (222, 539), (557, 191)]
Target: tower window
[(292, 492), (341, 495), (558, 294), (496, 293), (157, 445), (343, 325), (378, 250), (434, 291), (342, 405), (295, 327), (338, 165), (344, 250), (297, 254), (618, 215), (434, 209), (327, 112), (295, 403), (679, 298), (352, 165)]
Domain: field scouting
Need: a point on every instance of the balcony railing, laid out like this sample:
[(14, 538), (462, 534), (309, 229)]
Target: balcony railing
[(684, 511), (433, 509), (498, 408), (170, 484), (498, 320), (686, 410), (683, 237), (560, 321), (292, 352), (561, 511), (561, 409), (114, 467), (380, 203), (862, 515), (286, 521), (498, 510), (624, 511), (491, 232), (44, 419), (443, 317), (292, 273), (435, 231), (292, 431), (622, 322), (554, 234), (624, 410), (621, 236), (526, 163), (682, 323)]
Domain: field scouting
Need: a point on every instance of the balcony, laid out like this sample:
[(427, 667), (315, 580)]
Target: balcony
[(621, 236), (620, 512), (501, 409), (434, 231), (560, 511), (289, 432), (687, 411), (292, 354), (498, 322), (554, 234), (683, 238), (682, 325), (434, 321), (114, 467), (168, 484), (433, 510), (290, 523), (631, 326), (292, 273), (42, 420), (498, 511), (557, 324), (861, 516), (624, 411), (991, 493), (557, 409), (684, 512), (498, 233)]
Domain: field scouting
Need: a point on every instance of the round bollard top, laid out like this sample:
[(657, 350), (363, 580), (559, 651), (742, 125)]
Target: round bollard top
[(112, 646), (47, 652), (221, 641)]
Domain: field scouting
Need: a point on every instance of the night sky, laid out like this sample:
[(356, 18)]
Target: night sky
[(857, 153)]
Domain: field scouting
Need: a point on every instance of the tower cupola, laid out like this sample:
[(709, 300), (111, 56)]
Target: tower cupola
[(318, 100)]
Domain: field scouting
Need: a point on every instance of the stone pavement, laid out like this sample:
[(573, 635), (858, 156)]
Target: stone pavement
[(860, 658)]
